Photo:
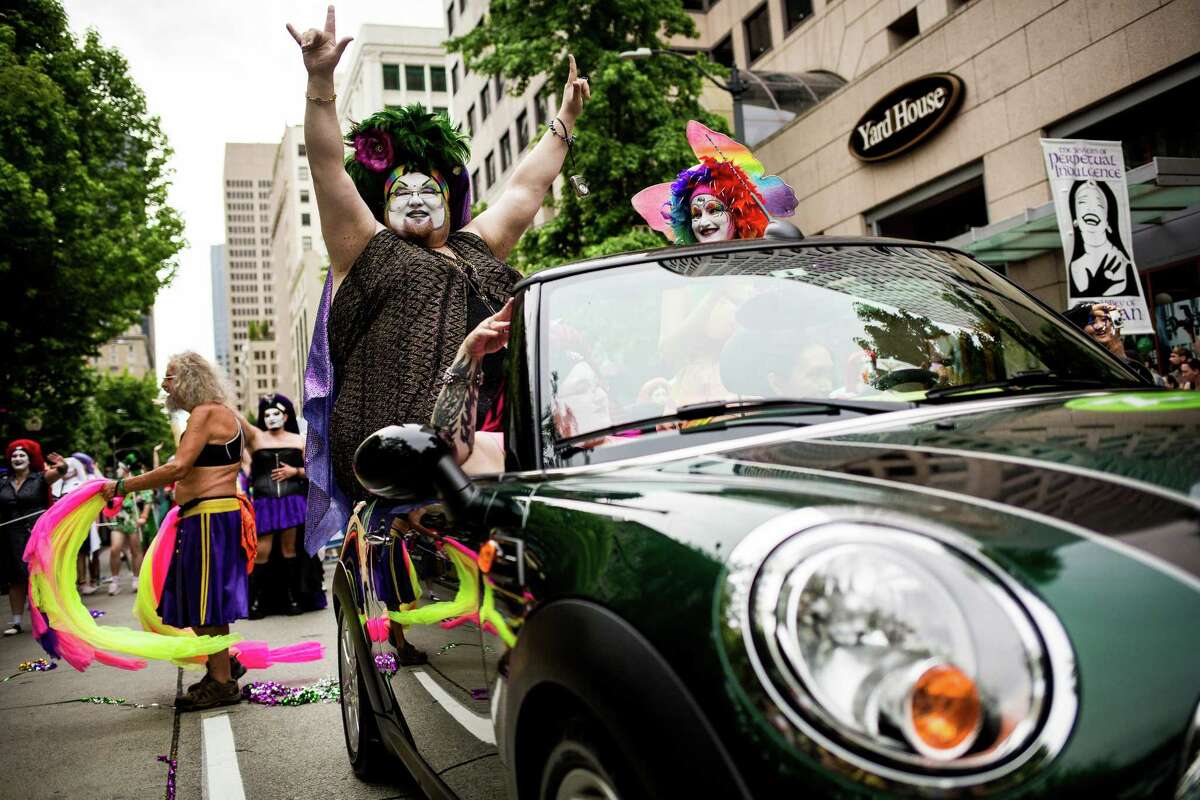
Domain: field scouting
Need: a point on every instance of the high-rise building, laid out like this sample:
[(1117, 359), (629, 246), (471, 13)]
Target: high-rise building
[(299, 258), (502, 126), (220, 304), (130, 353), (392, 66), (253, 289)]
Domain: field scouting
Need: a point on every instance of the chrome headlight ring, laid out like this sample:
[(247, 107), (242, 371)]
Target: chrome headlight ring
[(853, 712)]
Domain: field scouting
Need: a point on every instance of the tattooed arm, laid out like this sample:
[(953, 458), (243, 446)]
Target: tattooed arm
[(454, 412)]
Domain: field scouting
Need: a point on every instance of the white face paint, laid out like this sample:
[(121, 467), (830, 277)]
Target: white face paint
[(1091, 215), (273, 418), (416, 209), (19, 460), (711, 221)]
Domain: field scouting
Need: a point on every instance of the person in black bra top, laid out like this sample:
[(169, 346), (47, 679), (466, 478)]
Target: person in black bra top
[(205, 585), (280, 502)]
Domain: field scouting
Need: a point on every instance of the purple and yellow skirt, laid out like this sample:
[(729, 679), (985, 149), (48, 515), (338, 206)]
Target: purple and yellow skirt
[(206, 582)]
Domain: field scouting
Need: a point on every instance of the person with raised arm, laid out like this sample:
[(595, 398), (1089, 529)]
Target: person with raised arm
[(410, 271)]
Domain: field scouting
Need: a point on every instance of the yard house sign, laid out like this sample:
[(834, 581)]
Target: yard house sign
[(906, 116)]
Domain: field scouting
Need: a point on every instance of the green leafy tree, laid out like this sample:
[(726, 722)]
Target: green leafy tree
[(86, 236), (124, 418), (631, 133)]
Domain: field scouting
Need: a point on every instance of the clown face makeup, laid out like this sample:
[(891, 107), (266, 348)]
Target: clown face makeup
[(1091, 215), (19, 460), (273, 418), (711, 221), (417, 206)]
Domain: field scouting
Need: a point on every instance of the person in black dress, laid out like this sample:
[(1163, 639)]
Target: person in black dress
[(24, 495)]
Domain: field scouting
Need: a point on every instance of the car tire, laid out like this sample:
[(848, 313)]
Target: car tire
[(584, 765), (368, 757)]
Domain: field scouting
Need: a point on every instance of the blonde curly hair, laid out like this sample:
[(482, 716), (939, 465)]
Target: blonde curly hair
[(196, 381)]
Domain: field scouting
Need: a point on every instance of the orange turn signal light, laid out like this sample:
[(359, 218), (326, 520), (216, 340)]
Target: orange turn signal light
[(945, 708)]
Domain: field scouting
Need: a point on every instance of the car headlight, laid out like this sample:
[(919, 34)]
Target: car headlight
[(899, 648)]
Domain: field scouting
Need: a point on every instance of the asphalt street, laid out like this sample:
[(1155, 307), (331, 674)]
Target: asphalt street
[(57, 747)]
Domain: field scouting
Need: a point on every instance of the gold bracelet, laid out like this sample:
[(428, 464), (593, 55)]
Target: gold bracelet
[(312, 99)]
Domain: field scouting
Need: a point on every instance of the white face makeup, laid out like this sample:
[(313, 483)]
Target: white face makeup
[(1091, 215), (273, 418), (584, 394), (19, 460), (416, 209), (711, 221)]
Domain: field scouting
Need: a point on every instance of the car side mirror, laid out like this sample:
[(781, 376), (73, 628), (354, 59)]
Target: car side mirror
[(410, 463)]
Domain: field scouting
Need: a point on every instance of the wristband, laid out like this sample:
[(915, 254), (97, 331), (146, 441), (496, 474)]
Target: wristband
[(120, 487)]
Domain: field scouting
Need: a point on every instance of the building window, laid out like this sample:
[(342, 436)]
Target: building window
[(302, 172), (301, 150), (540, 102), (306, 219), (445, 112), (471, 120), (938, 211), (903, 30), (475, 184), (437, 79), (722, 52), (757, 28), (303, 197), (485, 103), (505, 152), (306, 243), (796, 11), (391, 77), (522, 131), (489, 168), (450, 19), (499, 88), (414, 77), (454, 79), (462, 6), (694, 5)]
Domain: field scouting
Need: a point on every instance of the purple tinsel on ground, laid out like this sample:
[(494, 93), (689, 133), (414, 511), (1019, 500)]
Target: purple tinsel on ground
[(273, 693), (96, 613), (172, 764)]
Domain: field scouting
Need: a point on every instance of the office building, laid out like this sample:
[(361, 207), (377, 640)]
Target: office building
[(220, 305), (131, 353), (249, 269)]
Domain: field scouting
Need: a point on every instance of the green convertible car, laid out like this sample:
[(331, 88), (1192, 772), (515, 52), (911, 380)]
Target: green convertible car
[(821, 518)]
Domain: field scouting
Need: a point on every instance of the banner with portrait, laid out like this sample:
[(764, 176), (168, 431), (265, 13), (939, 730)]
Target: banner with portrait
[(1091, 201)]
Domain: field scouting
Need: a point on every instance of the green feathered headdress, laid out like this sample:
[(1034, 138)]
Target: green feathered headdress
[(418, 140)]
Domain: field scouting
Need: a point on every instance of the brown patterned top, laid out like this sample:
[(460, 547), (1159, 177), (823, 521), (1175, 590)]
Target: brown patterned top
[(394, 326)]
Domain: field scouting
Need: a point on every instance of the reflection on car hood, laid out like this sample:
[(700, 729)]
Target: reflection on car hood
[(1120, 465)]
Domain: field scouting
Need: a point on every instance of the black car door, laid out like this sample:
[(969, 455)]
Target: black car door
[(426, 597)]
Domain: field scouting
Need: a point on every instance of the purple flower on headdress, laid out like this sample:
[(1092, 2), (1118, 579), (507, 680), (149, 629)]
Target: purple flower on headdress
[(373, 149)]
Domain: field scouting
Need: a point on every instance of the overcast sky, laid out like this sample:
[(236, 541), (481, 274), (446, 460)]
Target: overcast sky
[(218, 71)]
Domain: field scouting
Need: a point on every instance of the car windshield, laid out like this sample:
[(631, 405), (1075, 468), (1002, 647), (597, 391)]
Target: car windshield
[(867, 323)]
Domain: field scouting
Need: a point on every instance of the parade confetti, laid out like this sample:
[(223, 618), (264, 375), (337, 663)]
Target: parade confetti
[(171, 766), (101, 700), (479, 694), (97, 613), (36, 665), (386, 663), (273, 693)]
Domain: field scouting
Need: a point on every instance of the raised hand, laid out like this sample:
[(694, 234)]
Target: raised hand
[(574, 93), (321, 48), (490, 335)]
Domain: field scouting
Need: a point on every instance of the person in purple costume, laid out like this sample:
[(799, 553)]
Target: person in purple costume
[(205, 587), (280, 498)]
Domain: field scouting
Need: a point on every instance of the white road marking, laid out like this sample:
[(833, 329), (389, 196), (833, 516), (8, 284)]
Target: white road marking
[(220, 777), (479, 727)]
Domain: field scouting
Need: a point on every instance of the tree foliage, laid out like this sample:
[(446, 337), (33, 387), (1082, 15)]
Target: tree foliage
[(123, 417), (86, 235), (632, 131)]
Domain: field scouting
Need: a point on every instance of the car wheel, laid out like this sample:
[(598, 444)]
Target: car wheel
[(363, 745), (584, 765)]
